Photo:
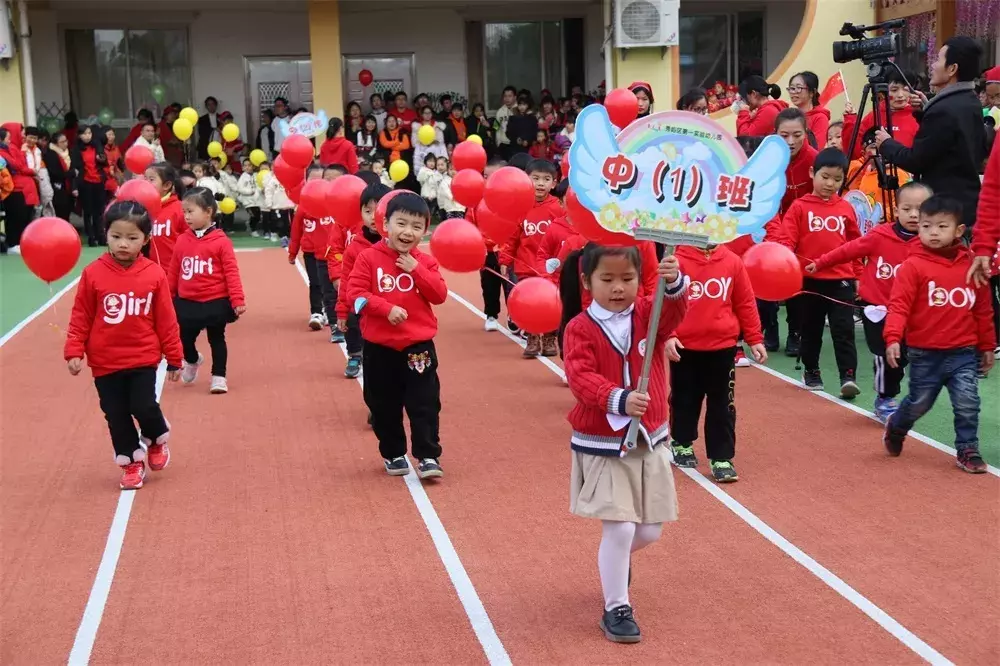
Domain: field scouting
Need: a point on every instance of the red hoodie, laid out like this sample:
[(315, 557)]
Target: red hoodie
[(762, 122), (521, 249), (798, 181), (720, 301), (986, 233), (932, 307), (204, 269), (886, 248), (339, 151), (904, 128), (23, 175), (340, 239), (552, 242), (168, 227), (814, 226), (818, 122), (309, 234), (123, 318), (376, 279), (344, 301)]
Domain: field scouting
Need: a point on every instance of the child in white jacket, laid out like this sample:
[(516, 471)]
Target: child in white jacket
[(250, 197), (281, 207), (446, 201), (436, 147)]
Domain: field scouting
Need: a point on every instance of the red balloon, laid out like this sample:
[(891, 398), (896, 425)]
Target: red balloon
[(467, 187), (469, 155), (138, 158), (586, 224), (458, 246), (492, 226), (510, 193), (622, 106), (534, 305), (343, 200), (143, 192), (365, 77), (774, 270), (50, 247), (286, 174), (381, 208), (298, 151), (313, 200), (295, 192)]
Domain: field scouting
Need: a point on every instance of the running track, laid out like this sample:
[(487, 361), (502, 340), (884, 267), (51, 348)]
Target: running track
[(275, 538)]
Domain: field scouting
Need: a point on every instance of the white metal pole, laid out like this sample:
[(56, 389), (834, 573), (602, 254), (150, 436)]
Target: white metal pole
[(27, 74)]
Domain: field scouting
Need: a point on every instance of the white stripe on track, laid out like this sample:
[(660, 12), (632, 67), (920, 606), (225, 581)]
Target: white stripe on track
[(862, 603), (86, 633), (496, 653), (37, 313)]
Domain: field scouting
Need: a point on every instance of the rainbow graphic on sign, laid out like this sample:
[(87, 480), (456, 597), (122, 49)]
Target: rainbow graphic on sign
[(675, 171)]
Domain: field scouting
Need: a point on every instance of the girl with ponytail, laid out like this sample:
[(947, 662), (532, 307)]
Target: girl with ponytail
[(758, 107)]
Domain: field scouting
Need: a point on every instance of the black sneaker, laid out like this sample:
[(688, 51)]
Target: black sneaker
[(619, 626), (336, 336), (724, 472), (397, 466), (369, 418), (512, 327), (970, 461), (793, 345), (812, 380), (429, 468), (353, 368), (892, 439), (849, 389), (683, 455)]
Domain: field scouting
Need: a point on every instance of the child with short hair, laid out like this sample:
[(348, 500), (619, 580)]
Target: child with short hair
[(489, 275), (338, 240), (446, 200), (430, 179), (834, 135), (629, 489), (865, 179), (815, 224), (124, 323), (276, 200), (312, 236), (884, 248), (948, 328), (394, 286), (205, 282), (250, 197)]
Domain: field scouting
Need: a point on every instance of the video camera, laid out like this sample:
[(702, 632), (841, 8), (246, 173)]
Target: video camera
[(874, 52)]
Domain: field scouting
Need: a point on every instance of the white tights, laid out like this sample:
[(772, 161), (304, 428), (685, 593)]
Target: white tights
[(619, 540)]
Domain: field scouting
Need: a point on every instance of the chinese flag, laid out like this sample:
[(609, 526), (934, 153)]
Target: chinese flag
[(835, 86)]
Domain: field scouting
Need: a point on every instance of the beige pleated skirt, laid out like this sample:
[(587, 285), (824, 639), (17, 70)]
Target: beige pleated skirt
[(638, 488)]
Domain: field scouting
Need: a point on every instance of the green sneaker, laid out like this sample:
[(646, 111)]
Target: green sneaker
[(724, 472), (683, 455)]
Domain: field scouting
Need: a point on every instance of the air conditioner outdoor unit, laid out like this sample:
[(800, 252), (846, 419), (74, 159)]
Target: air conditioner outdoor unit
[(645, 23)]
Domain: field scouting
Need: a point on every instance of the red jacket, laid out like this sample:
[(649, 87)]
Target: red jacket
[(720, 301), (344, 301), (904, 128), (932, 307), (167, 228), (575, 241), (521, 249), (595, 368), (339, 151), (340, 239), (406, 117), (309, 234), (986, 233), (814, 226), (818, 121), (17, 165), (798, 181), (885, 248), (205, 269), (376, 279), (123, 318), (762, 122)]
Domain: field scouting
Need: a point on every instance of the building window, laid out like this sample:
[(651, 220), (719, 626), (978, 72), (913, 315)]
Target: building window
[(127, 70), (523, 55), (724, 47)]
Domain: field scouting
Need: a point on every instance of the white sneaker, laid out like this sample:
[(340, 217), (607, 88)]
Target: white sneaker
[(273, 238), (316, 322), (255, 234), (189, 371), (326, 322), (491, 324), (219, 385), (14, 250)]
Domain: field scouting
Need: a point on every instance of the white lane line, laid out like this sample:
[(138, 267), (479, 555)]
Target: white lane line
[(887, 622), (496, 654), (86, 634), (930, 441), (37, 313)]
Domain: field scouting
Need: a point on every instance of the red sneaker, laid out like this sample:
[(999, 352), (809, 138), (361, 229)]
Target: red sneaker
[(133, 475), (741, 358), (158, 456), (970, 461)]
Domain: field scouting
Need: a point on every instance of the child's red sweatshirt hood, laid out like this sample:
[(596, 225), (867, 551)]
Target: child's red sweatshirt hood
[(204, 269), (309, 234), (339, 151), (932, 307), (814, 226)]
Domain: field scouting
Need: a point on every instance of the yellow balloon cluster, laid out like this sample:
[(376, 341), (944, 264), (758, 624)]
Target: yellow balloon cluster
[(214, 149), (227, 206), (399, 170), (257, 157), (189, 114), (230, 132), (183, 129), (426, 134)]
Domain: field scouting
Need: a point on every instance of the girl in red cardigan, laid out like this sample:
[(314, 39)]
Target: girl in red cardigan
[(631, 490), (205, 282), (123, 322)]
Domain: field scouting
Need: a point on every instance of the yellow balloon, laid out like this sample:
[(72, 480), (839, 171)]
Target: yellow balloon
[(214, 149), (257, 157), (399, 170), (189, 114), (426, 134), (231, 132), (260, 178), (227, 206), (183, 129), (475, 138), (223, 160)]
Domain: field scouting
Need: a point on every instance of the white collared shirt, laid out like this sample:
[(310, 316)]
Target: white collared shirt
[(618, 325)]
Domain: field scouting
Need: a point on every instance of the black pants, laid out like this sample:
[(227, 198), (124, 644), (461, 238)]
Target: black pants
[(92, 197), (768, 312), (283, 222), (398, 380), (709, 377), (216, 340), (353, 338), (322, 293), (887, 378), (816, 310), (17, 215), (62, 202), (227, 221), (125, 395), (253, 224), (492, 285), (794, 308)]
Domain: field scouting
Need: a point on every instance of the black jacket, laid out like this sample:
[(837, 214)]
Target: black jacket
[(949, 147), (77, 166)]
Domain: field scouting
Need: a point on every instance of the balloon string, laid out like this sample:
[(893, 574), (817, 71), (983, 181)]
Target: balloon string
[(55, 312), (833, 300)]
